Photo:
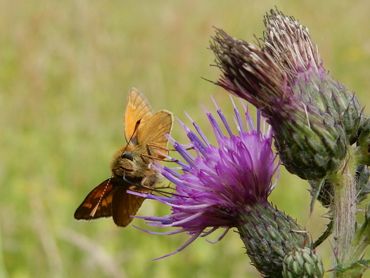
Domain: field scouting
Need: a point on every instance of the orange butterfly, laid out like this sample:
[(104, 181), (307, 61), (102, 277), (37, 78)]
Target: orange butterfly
[(145, 133)]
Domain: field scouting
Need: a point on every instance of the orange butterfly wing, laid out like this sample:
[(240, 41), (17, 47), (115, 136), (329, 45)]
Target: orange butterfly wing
[(138, 109), (153, 132), (98, 203)]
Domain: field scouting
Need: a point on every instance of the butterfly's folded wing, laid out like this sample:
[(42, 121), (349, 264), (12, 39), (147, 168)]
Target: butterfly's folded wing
[(98, 203), (138, 109), (125, 206), (154, 132)]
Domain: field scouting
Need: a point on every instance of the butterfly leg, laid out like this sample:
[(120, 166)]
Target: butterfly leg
[(150, 147), (147, 156), (131, 182), (149, 181), (165, 187), (187, 147)]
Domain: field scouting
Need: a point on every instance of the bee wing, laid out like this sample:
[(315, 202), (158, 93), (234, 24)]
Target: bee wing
[(137, 109), (125, 205), (98, 203), (154, 132)]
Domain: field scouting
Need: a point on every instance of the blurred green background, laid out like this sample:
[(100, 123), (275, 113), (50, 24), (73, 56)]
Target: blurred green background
[(65, 70)]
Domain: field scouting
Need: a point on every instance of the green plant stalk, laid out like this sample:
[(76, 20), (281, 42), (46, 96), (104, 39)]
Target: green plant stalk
[(344, 211)]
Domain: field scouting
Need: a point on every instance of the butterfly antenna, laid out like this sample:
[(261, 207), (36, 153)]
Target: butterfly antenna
[(154, 146), (133, 134), (92, 213)]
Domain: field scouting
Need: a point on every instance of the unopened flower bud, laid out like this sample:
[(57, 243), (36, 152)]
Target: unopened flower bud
[(303, 262)]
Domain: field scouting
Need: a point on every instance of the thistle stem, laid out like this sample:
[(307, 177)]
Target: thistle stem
[(344, 211)]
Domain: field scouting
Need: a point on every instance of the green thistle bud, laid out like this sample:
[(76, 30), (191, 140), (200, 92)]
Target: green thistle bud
[(302, 263), (331, 98), (348, 108), (310, 145), (269, 235), (313, 116)]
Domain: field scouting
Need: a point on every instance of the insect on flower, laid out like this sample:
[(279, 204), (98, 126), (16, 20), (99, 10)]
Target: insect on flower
[(146, 137), (218, 185)]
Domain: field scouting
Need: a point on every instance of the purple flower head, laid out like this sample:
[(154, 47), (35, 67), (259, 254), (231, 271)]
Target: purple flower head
[(313, 116), (216, 183), (283, 74), (270, 74)]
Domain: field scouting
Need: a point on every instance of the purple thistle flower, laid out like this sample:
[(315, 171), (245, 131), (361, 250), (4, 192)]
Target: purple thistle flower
[(216, 183), (226, 185)]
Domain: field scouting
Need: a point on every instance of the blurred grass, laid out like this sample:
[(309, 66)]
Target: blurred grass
[(65, 69)]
